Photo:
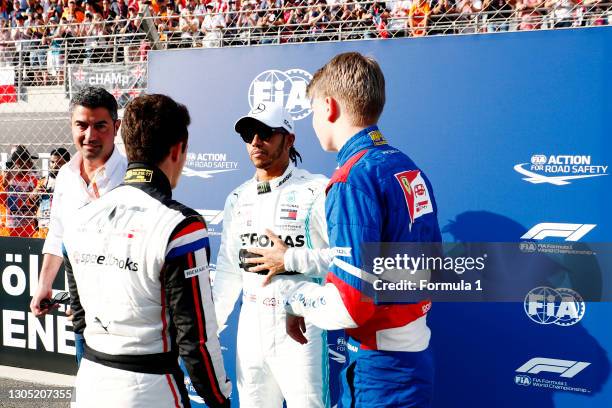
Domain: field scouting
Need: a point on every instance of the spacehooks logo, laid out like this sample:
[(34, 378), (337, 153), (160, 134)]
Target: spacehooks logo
[(286, 88), (559, 170)]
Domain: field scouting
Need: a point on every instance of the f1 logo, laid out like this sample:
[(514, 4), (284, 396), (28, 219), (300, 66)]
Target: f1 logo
[(571, 232), (565, 368)]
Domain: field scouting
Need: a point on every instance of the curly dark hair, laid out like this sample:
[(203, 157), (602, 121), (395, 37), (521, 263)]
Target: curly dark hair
[(152, 124)]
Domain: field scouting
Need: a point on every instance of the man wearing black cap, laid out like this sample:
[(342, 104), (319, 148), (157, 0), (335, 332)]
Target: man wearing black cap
[(281, 206)]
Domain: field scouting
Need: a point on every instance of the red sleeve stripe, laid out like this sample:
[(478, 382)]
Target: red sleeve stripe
[(202, 331), (194, 226)]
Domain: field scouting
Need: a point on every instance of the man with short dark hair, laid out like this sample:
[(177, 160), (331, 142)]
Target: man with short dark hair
[(96, 168), (137, 266)]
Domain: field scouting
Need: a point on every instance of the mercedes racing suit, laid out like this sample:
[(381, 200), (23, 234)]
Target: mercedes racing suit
[(377, 195), (270, 365), (137, 266)]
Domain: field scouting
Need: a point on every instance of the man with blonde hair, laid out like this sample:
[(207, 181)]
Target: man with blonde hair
[(376, 195)]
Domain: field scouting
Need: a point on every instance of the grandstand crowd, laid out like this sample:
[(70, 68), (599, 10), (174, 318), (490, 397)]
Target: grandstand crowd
[(44, 27)]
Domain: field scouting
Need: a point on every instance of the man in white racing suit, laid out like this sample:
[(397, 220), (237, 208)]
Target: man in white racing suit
[(281, 206), (137, 266)]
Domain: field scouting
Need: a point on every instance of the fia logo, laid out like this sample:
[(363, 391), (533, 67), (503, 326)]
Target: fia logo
[(523, 380), (286, 88), (562, 306)]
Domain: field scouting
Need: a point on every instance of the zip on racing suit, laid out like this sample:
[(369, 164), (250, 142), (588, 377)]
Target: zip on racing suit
[(137, 266), (270, 365), (377, 195)]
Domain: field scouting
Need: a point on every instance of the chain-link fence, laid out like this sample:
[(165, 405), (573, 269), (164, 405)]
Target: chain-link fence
[(46, 58)]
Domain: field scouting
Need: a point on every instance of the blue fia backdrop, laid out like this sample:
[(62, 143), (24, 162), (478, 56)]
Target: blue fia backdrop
[(475, 113)]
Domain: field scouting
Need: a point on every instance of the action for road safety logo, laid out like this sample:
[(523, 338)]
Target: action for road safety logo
[(560, 170)]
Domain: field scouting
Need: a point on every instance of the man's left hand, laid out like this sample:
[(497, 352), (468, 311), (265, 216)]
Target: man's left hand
[(272, 259)]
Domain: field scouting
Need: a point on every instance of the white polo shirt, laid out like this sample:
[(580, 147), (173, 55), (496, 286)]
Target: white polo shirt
[(71, 193)]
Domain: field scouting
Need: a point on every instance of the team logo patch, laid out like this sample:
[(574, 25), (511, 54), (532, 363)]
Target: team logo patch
[(377, 138), (138, 176), (415, 192)]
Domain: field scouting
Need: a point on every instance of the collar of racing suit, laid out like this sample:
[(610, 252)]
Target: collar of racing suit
[(264, 187), (148, 178), (363, 139)]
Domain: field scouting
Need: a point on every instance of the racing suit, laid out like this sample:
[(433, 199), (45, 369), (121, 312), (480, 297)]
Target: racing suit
[(377, 195), (137, 265), (270, 365)]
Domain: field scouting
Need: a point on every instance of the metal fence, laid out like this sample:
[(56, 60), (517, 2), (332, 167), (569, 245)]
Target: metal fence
[(41, 65)]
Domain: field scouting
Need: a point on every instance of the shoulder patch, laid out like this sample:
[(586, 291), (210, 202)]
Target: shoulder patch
[(377, 138), (415, 192)]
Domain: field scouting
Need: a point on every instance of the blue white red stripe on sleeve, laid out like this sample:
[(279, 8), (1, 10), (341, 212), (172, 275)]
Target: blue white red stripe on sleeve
[(190, 239)]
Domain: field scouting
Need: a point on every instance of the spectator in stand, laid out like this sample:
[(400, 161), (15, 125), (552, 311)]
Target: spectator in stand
[(497, 14), (107, 11), (96, 39), (15, 11), (362, 22), (45, 187), (38, 33), (6, 48), (561, 12), (380, 16), (20, 181), (221, 6), (398, 15), (168, 19), (269, 25), (200, 8), (56, 54), (4, 10), (54, 9), (530, 14), (443, 16), (212, 27), (247, 21), (18, 33), (418, 18), (129, 36), (120, 8), (73, 14), (188, 26), (468, 10), (231, 17), (597, 13)]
